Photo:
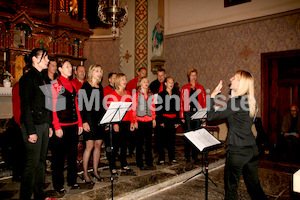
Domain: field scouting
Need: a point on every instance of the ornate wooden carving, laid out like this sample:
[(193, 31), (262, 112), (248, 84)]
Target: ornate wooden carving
[(62, 36)]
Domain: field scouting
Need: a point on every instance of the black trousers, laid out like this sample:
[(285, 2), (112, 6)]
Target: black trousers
[(62, 147), (33, 178), (242, 160), (132, 137), (144, 136), (190, 125), (119, 142), (166, 139)]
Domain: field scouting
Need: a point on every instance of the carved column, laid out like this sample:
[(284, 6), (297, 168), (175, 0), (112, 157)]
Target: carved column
[(84, 10)]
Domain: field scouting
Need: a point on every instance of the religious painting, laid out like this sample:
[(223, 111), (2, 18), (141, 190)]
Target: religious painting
[(21, 31), (42, 41), (228, 3)]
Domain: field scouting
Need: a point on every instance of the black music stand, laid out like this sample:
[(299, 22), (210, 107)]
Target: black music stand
[(205, 142), (114, 114)]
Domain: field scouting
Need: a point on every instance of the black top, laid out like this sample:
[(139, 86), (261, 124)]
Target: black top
[(193, 107), (154, 86), (93, 110), (33, 111), (168, 106), (239, 130), (69, 114)]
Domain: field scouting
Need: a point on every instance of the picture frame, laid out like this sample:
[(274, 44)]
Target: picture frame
[(228, 3)]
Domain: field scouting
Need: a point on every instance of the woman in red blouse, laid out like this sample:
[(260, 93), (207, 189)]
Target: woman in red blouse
[(67, 125), (122, 129), (144, 118)]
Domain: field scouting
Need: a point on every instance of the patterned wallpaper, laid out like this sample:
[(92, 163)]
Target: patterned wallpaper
[(218, 53), (104, 52)]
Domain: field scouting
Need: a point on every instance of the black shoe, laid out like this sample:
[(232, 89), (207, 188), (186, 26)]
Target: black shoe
[(89, 182), (114, 172), (98, 179), (85, 181), (61, 191), (75, 186), (127, 169)]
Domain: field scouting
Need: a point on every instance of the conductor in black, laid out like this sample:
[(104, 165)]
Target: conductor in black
[(241, 149)]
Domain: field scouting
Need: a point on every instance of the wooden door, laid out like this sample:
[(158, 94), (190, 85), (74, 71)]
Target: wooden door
[(280, 88)]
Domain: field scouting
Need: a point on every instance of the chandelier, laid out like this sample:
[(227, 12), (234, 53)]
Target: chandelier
[(110, 12)]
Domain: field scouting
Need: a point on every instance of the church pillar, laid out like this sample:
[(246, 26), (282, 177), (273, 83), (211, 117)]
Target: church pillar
[(141, 35)]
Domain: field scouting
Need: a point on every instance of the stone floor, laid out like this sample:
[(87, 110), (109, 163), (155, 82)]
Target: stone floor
[(275, 179), (166, 181)]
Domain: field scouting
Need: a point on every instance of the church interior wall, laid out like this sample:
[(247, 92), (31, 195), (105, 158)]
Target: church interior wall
[(103, 52), (182, 16), (217, 53)]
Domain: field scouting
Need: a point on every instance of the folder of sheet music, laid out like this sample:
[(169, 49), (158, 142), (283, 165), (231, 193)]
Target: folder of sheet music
[(200, 114), (202, 139)]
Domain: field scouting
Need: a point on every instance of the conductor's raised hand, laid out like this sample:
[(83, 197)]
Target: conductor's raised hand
[(217, 90)]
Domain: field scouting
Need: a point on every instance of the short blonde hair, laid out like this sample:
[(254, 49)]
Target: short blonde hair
[(246, 86), (118, 79), (90, 73), (190, 70)]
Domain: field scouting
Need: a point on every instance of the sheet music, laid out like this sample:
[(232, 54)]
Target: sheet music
[(200, 114), (201, 138), (111, 115)]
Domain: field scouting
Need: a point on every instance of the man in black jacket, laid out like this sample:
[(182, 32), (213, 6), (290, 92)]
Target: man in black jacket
[(35, 119)]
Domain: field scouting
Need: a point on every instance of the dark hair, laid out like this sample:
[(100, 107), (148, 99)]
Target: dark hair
[(141, 69), (61, 63), (52, 60), (161, 70), (34, 53), (111, 74), (79, 66)]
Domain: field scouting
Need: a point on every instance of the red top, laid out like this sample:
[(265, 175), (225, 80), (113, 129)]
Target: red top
[(107, 90), (77, 84), (146, 118), (185, 98), (56, 88), (115, 97), (131, 85), (16, 103)]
